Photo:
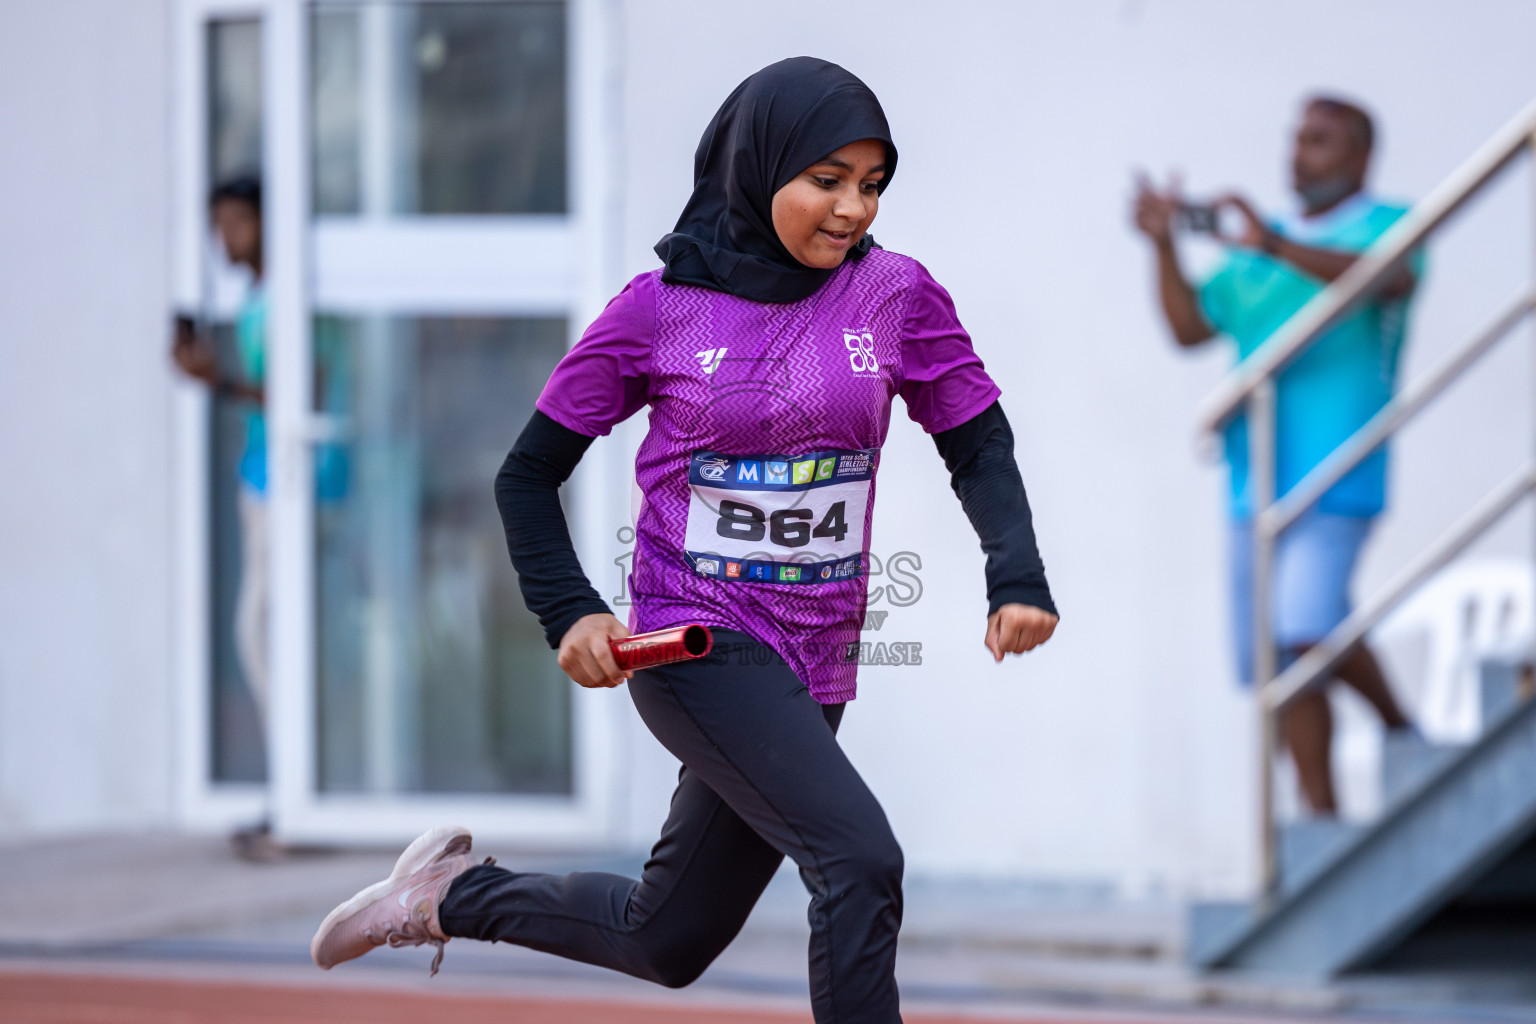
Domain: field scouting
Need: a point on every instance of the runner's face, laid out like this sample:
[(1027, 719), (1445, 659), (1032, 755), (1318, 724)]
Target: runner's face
[(828, 207)]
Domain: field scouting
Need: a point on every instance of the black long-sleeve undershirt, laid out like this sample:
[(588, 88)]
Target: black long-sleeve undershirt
[(978, 455), (528, 496), (982, 470)]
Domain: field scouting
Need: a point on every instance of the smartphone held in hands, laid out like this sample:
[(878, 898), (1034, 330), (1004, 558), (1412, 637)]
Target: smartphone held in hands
[(1200, 218), (184, 328)]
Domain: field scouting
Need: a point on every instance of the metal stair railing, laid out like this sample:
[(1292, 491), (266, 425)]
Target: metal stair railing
[(1250, 387)]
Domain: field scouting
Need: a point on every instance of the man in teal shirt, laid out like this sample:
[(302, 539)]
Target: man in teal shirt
[(1270, 271), (235, 208)]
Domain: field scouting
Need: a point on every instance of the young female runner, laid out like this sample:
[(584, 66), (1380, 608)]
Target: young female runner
[(768, 348)]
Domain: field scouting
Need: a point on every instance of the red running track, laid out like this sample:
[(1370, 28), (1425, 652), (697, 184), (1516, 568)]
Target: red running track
[(57, 998)]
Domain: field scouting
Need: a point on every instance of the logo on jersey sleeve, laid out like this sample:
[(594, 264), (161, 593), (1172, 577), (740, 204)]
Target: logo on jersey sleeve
[(709, 359)]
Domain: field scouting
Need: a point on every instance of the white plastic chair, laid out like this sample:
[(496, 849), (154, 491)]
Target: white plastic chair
[(1472, 610)]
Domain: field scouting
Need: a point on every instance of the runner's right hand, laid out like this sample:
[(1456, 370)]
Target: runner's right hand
[(585, 655)]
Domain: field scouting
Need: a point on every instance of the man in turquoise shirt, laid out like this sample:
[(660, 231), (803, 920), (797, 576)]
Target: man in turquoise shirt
[(235, 208), (1270, 271)]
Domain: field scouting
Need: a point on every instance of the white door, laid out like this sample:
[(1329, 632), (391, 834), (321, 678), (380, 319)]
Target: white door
[(431, 174)]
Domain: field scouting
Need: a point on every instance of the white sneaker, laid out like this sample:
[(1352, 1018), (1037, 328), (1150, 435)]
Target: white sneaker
[(402, 909)]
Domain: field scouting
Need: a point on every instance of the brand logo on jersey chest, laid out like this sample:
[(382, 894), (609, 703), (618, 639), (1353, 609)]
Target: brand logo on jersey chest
[(861, 352)]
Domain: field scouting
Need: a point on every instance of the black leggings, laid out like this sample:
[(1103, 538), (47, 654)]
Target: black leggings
[(763, 778)]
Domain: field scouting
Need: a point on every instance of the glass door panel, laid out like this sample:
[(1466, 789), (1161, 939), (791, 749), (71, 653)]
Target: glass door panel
[(432, 676), (233, 99), (439, 108), (432, 276)]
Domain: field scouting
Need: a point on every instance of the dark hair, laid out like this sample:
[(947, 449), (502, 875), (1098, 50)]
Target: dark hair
[(245, 188), (1359, 122)]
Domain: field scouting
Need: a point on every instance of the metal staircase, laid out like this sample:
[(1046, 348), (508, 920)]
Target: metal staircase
[(1336, 897), (1350, 894)]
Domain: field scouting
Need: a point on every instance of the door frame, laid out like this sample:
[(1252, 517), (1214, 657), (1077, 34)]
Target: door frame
[(351, 265), (202, 805)]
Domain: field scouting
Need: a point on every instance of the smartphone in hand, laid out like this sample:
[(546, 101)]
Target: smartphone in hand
[(190, 350), (184, 329), (1200, 218)]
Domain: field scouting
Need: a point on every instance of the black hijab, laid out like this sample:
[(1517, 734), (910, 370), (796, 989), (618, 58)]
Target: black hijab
[(770, 128)]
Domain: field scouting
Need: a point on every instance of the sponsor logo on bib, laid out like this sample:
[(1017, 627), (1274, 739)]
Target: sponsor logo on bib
[(856, 464)]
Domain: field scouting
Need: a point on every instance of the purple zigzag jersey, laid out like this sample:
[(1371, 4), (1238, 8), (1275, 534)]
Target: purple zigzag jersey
[(766, 423)]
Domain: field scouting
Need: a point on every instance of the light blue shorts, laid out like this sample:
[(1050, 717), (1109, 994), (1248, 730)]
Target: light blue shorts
[(1314, 560)]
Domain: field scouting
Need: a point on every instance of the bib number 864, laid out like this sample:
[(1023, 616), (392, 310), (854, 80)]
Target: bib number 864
[(786, 527)]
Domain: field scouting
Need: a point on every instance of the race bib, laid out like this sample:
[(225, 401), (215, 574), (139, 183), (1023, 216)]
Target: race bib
[(779, 518)]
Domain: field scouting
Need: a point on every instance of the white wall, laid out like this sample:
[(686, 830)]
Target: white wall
[(1121, 751), (85, 712)]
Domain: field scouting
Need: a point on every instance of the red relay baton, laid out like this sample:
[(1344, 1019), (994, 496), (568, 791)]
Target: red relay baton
[(663, 647)]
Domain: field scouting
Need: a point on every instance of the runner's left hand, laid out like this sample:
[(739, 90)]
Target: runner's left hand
[(1016, 628)]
